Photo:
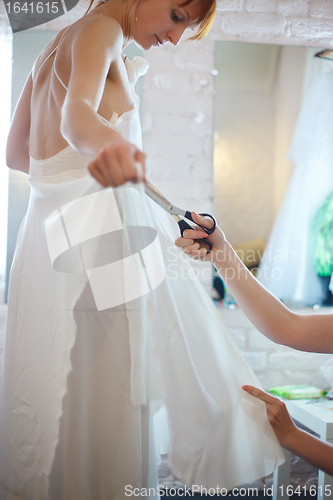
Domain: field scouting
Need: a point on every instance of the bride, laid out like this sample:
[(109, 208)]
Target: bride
[(99, 334)]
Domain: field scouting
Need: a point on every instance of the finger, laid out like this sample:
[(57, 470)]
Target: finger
[(141, 158), (139, 171), (111, 168), (194, 233), (203, 221), (271, 417), (254, 391), (95, 172), (125, 160), (132, 163), (183, 242), (189, 244), (132, 170), (200, 254), (191, 248)]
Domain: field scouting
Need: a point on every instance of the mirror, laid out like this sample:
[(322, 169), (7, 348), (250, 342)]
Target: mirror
[(259, 93)]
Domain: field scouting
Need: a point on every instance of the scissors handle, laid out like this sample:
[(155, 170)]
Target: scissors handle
[(184, 225), (207, 230)]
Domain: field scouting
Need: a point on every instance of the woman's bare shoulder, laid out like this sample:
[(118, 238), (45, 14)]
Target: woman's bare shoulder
[(96, 30), (46, 52)]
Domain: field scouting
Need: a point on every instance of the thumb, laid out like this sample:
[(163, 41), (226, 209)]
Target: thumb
[(140, 161), (199, 219)]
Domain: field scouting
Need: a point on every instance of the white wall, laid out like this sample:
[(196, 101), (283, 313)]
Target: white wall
[(275, 364)]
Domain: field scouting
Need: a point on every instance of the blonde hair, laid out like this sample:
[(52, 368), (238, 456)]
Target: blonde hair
[(204, 14)]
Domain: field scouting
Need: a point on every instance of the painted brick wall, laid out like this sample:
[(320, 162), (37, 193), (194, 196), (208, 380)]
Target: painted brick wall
[(272, 363)]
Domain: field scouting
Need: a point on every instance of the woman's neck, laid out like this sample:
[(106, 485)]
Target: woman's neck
[(120, 10)]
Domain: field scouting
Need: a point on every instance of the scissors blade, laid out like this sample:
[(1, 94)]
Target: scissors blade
[(155, 195), (158, 197)]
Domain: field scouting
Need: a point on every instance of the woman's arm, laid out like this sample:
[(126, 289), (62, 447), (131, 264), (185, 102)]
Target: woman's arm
[(312, 332), (17, 147), (94, 48), (312, 450)]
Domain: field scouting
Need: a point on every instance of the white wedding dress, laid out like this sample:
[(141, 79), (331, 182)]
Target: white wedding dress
[(105, 325), (287, 268)]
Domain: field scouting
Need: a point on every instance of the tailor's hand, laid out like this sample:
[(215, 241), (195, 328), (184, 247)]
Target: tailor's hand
[(198, 250), (277, 414), (119, 163)]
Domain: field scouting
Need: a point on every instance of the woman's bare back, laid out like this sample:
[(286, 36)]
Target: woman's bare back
[(48, 94)]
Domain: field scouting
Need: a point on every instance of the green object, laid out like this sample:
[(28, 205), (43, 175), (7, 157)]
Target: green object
[(228, 300), (322, 237), (297, 392)]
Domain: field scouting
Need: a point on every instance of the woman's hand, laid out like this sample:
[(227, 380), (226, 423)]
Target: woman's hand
[(198, 250), (117, 164), (312, 450), (278, 416)]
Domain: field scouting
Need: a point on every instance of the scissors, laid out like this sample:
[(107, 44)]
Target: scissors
[(155, 195)]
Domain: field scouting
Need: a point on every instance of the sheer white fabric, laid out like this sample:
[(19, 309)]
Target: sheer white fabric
[(287, 268), (83, 379)]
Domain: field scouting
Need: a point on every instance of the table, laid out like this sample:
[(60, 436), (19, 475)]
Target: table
[(317, 416)]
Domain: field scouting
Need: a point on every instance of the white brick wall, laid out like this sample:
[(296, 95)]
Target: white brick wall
[(276, 21), (272, 363), (261, 6)]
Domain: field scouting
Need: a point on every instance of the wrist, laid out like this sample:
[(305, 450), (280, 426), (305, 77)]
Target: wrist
[(109, 138), (223, 254), (292, 439)]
